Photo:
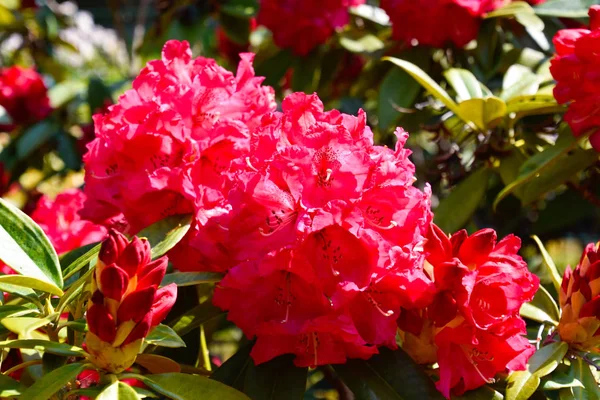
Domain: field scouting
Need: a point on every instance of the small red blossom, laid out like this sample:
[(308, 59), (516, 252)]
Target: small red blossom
[(473, 320), (23, 95), (574, 67), (438, 22), (126, 302), (303, 25)]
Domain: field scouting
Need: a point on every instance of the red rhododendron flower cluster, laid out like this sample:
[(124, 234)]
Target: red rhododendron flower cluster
[(303, 25), (184, 116), (23, 95), (575, 68), (126, 301), (327, 230), (60, 221), (472, 328)]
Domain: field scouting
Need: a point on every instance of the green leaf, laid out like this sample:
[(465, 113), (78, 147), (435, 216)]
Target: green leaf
[(532, 105), (61, 349), (550, 167), (547, 358), (47, 385), (583, 373), (74, 291), (275, 67), (565, 8), (232, 371), (34, 137), (277, 379), (195, 317), (542, 308), (26, 249), (398, 89), (33, 283), (371, 13), (185, 387), (165, 234), (482, 393), (306, 73), (191, 278), (23, 326), (464, 84), (550, 266), (165, 336), (118, 391), (562, 377), (455, 210), (236, 28), (7, 18), (388, 375), (240, 8), (63, 92), (9, 387), (425, 80), (521, 385), (98, 95), (519, 81), (511, 9), (9, 310), (20, 291), (484, 113), (73, 262), (368, 43)]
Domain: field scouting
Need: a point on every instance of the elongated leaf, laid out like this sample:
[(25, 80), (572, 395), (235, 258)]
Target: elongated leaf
[(519, 81), (73, 261), (484, 113), (118, 391), (194, 318), (61, 349), (590, 389), (35, 137), (22, 292), (25, 248), (371, 13), (542, 308), (33, 283), (74, 291), (455, 210), (511, 9), (232, 371), (62, 93), (562, 377), (186, 387), (163, 335), (464, 84), (191, 278), (277, 379), (388, 375), (565, 8), (165, 234), (45, 387), (549, 263), (156, 364), (521, 385), (425, 80), (546, 359), (9, 310), (9, 387), (543, 166), (23, 326)]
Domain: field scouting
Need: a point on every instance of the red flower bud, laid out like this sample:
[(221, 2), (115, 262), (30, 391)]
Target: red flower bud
[(112, 247), (153, 273), (136, 305), (163, 302), (101, 323), (114, 282), (141, 330), (136, 254)]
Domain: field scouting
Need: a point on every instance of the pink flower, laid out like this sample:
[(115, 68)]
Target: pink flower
[(23, 95), (303, 25), (438, 22), (575, 67)]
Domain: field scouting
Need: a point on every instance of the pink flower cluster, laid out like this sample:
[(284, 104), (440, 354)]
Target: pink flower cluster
[(303, 25), (23, 95)]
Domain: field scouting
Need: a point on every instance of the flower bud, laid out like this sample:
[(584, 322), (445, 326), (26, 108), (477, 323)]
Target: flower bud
[(580, 302), (126, 303)]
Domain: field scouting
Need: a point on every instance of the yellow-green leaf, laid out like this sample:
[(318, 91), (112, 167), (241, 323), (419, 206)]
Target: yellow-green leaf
[(118, 391), (32, 283), (484, 113)]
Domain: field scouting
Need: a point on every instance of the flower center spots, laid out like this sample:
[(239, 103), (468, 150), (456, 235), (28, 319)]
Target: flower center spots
[(475, 357), (375, 217), (284, 296), (277, 220), (332, 254), (325, 164), (311, 342), (372, 301)]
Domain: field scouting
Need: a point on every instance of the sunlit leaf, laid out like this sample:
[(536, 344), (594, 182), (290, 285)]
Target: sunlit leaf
[(63, 92), (165, 234), (484, 113), (61, 349), (118, 391), (45, 387), (464, 84), (191, 278), (33, 283), (156, 364), (549, 263), (365, 44), (519, 81), (565, 8), (184, 387), (542, 308), (9, 387), (165, 336)]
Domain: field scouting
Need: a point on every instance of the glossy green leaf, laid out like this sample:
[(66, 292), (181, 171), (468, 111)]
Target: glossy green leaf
[(521, 385), (9, 310), (179, 386), (455, 210), (61, 349), (306, 73), (389, 375), (195, 317), (511, 9), (63, 92), (425, 80), (484, 113), (26, 249), (547, 167), (45, 387), (563, 377), (33, 283), (565, 8), (35, 137), (98, 95), (399, 90), (191, 278), (9, 387), (274, 68), (550, 266), (23, 326), (546, 359), (73, 263), (165, 336), (590, 389), (533, 105), (368, 43), (232, 371), (165, 234), (74, 291), (519, 81), (542, 308), (20, 291), (156, 364), (118, 391), (464, 84), (277, 379)]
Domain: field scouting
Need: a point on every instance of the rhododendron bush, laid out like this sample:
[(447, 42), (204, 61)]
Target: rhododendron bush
[(260, 199)]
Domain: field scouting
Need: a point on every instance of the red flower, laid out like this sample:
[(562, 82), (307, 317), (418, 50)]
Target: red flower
[(575, 67), (168, 143), (474, 317), (438, 22), (323, 226), (303, 25), (126, 301), (24, 95)]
